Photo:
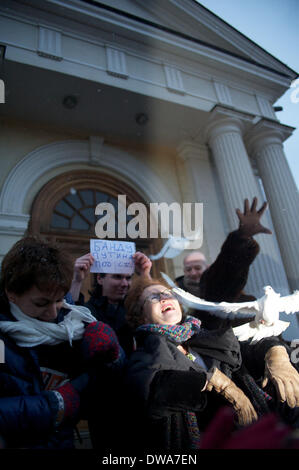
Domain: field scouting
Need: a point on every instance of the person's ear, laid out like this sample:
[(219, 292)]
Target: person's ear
[(11, 296), (99, 279)]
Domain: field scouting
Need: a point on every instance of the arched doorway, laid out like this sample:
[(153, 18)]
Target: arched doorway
[(64, 211)]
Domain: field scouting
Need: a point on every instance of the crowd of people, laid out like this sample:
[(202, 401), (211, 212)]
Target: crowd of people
[(141, 370)]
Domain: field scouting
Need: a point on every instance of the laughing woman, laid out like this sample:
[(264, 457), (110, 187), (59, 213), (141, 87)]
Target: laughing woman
[(175, 380), (51, 348), (180, 374)]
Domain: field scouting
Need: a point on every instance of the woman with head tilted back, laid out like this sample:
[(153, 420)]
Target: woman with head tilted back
[(51, 348), (180, 374), (173, 370)]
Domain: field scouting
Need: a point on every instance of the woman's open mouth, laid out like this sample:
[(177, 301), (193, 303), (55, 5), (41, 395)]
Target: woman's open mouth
[(167, 307)]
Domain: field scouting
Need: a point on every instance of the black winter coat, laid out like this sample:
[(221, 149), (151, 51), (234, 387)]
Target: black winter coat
[(162, 385)]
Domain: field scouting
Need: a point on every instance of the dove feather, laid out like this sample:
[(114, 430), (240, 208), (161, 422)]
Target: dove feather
[(289, 303), (221, 310), (258, 332)]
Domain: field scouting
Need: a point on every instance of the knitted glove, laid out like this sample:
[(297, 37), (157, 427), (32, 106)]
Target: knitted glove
[(222, 384), (68, 396), (100, 341), (284, 376)]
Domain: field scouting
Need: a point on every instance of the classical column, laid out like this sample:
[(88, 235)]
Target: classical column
[(237, 181), (265, 144)]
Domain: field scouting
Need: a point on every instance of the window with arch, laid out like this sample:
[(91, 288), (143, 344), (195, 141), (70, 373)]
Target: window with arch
[(76, 210), (64, 211)]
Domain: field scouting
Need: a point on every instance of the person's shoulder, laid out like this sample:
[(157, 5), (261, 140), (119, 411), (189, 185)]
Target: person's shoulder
[(179, 281), (96, 300)]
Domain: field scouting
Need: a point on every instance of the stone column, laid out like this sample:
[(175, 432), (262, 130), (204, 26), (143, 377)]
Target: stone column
[(237, 181), (265, 144)]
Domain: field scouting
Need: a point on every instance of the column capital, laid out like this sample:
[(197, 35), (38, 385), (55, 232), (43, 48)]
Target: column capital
[(190, 149), (223, 120), (266, 132)]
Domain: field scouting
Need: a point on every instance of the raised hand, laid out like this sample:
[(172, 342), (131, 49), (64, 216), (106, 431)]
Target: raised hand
[(250, 219), (82, 267), (143, 264), (81, 270)]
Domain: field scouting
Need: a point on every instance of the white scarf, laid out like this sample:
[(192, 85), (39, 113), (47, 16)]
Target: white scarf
[(29, 332)]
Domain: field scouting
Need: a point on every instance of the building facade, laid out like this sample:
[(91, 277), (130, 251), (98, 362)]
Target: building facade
[(158, 101)]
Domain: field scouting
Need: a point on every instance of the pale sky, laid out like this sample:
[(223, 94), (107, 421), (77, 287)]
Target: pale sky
[(273, 25)]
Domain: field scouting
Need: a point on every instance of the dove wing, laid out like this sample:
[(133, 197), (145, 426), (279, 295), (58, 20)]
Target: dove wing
[(162, 251), (244, 332), (289, 303), (169, 281), (259, 332), (242, 307), (224, 310), (220, 311)]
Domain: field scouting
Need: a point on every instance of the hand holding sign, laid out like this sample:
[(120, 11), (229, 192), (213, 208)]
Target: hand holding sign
[(143, 264), (112, 256)]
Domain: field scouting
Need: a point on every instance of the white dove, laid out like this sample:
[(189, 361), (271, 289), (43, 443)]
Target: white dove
[(266, 322), (174, 246), (263, 312)]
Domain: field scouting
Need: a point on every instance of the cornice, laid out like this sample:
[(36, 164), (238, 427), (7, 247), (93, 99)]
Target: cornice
[(224, 119), (266, 132), (123, 29)]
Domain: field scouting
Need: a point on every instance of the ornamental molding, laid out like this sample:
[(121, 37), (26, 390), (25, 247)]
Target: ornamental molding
[(190, 149), (36, 165), (266, 132), (49, 43), (224, 120), (128, 35)]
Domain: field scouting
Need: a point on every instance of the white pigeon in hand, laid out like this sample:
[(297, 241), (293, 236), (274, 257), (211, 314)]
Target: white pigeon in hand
[(266, 322)]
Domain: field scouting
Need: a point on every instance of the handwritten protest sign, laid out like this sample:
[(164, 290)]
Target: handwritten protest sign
[(112, 256)]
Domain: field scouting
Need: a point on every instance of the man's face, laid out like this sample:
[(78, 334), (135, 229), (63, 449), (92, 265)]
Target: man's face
[(194, 266), (114, 286)]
